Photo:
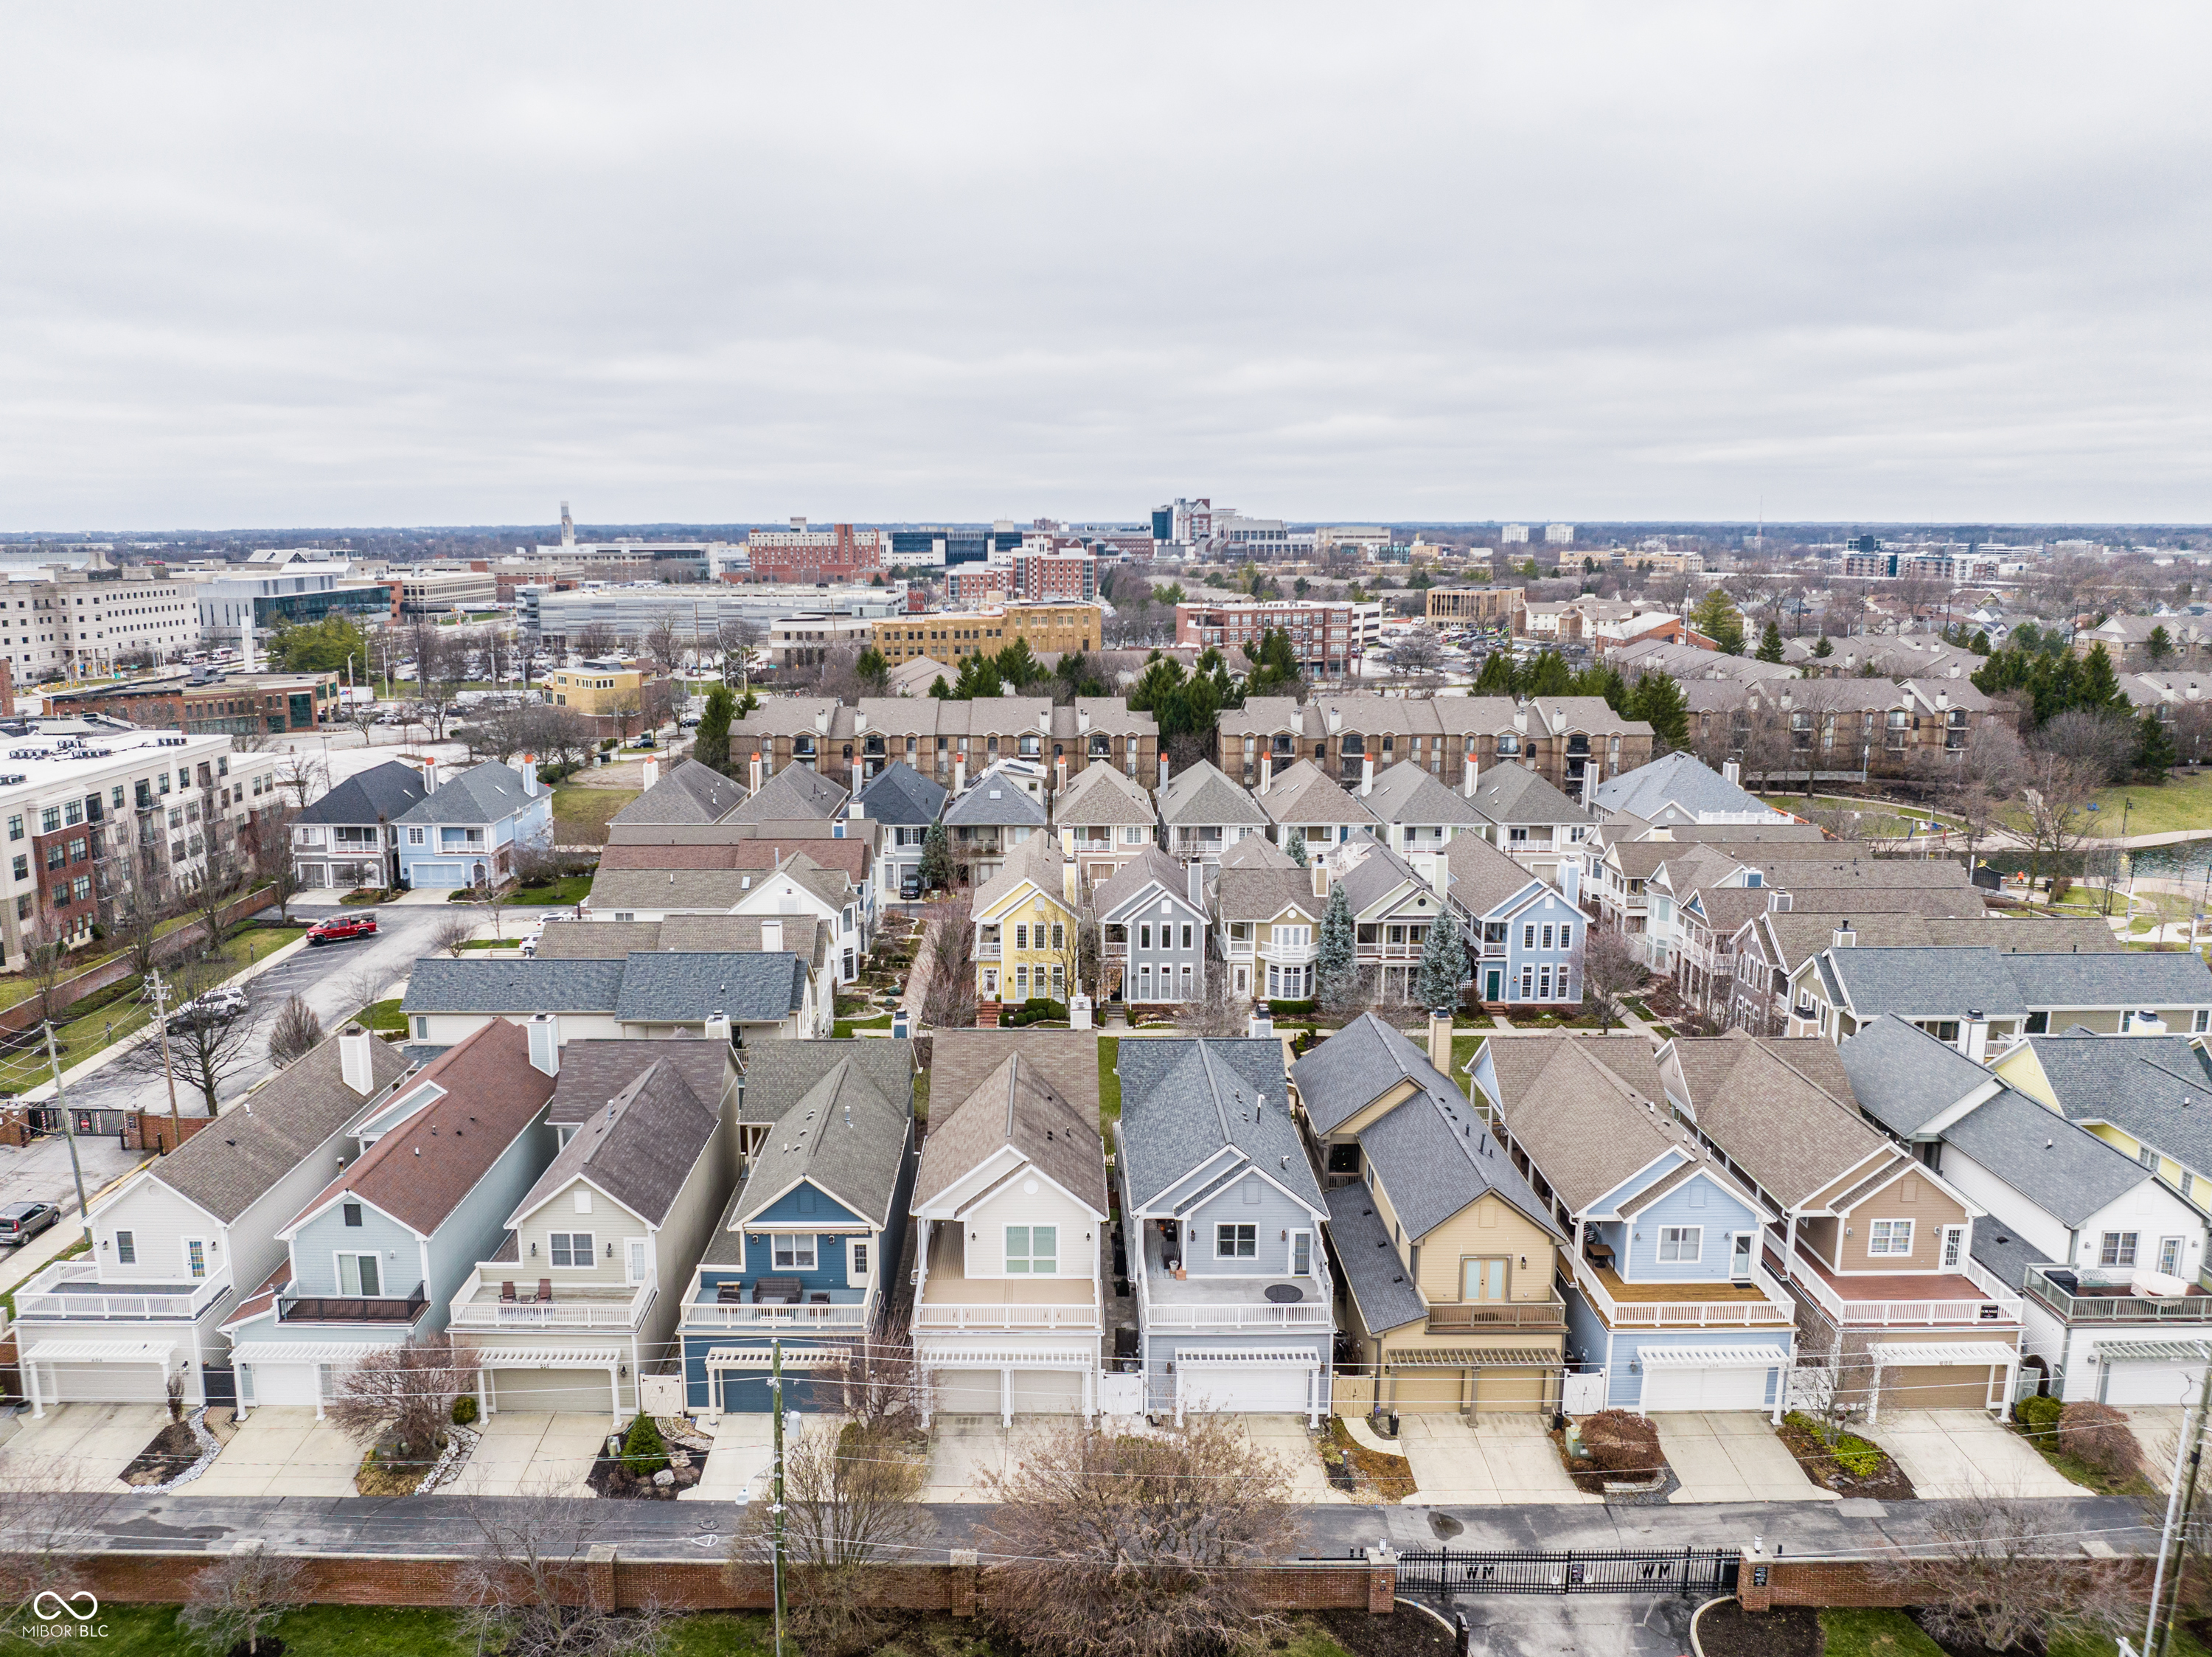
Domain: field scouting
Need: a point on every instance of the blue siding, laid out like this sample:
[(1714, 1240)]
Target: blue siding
[(1271, 1216), (1720, 1214), (316, 1247), (1553, 909), (1643, 1179), (1587, 1336), (801, 1206)]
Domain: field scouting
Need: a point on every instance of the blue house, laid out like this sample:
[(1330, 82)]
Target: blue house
[(1670, 1306), (1524, 936), (811, 1244), (470, 829)]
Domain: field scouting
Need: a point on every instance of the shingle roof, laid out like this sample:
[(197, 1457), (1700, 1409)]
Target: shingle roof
[(488, 792), (233, 1162), (902, 794), (1904, 1077), (847, 1134), (1261, 894), (1925, 981), (639, 1146), (2126, 978), (1510, 793), (1482, 876), (1434, 1157), (2005, 1254), (1303, 793), (1373, 1273), (1037, 860), (1581, 1108), (2156, 1088), (380, 794), (779, 1074), (698, 934), (1101, 796), (592, 1072), (1405, 793), (793, 793), (1680, 780), (667, 987), (1202, 793), (690, 794), (1015, 1103), (994, 801), (1256, 851), (441, 985), (1357, 1066), (2063, 1169), (1184, 1101), (1782, 1108), (1147, 867)]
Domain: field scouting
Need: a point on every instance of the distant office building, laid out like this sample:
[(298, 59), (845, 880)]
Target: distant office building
[(440, 592), (1477, 606), (1559, 534), (557, 619), (1514, 535), (271, 598), (941, 546), (840, 553), (1032, 578), (948, 636), (1129, 540), (1328, 639), (1370, 539), (67, 623), (1186, 523)]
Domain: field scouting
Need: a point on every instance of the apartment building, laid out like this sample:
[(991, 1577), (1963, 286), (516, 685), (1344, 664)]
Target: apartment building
[(1327, 639), (1836, 729), (1030, 576), (838, 552), (235, 704), (951, 742), (950, 636), (66, 623), (700, 614), (1476, 607)]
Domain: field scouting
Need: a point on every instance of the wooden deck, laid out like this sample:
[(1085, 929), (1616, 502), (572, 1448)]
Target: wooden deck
[(1626, 1293)]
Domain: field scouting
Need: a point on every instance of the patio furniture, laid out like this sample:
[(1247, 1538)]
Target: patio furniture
[(1284, 1293), (1597, 1253), (506, 1292), (730, 1293), (777, 1291), (544, 1288), (820, 1298)]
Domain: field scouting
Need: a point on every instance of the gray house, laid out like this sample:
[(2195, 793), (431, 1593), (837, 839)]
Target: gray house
[(992, 816), (347, 838), (1203, 814), (1224, 1230), (686, 807), (1418, 813), (1534, 823), (893, 813), (738, 997), (1154, 915)]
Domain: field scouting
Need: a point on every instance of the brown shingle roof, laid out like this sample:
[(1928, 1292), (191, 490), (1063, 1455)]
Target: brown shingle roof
[(1782, 1109), (1037, 1092), (1580, 1108)]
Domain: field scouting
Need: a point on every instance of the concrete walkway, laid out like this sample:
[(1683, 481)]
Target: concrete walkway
[(282, 1450), (740, 1465)]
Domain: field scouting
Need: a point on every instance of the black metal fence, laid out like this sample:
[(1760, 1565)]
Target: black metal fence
[(1685, 1571), (222, 1386)]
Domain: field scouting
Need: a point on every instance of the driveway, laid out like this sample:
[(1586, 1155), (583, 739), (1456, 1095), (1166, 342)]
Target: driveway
[(738, 1466), (1950, 1453), (79, 1447), (2157, 1429), (963, 1451), (1584, 1625), (1285, 1437), (282, 1450), (39, 1172), (1731, 1455), (524, 1454), (1501, 1458)]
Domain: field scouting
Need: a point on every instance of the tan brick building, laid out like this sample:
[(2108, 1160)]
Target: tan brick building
[(1477, 606), (950, 636), (948, 741)]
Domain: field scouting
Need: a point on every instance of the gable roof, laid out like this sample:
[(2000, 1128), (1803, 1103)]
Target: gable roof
[(1680, 780), (233, 1162), (490, 793), (2060, 1166), (1510, 792), (1434, 1157), (613, 940), (1257, 851), (1303, 794), (2157, 1088), (1781, 1107), (793, 794), (1184, 1101), (668, 986), (1922, 981), (2126, 978), (1482, 876), (847, 1136), (639, 1147), (995, 800), (592, 1072), (1150, 867), (1030, 1093), (1353, 1067), (1904, 1077), (381, 794), (1580, 1107), (1261, 894), (687, 793), (1203, 794), (1037, 860), (1407, 793), (444, 984), (779, 1074), (899, 793), (1099, 795)]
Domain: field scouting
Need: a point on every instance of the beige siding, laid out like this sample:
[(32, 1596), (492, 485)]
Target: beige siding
[(1487, 1228), (1926, 1204), (160, 1220), (1047, 1206), (608, 1223)]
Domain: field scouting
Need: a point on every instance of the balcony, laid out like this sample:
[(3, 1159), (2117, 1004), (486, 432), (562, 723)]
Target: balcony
[(357, 1309), (845, 1309), (72, 1289), (1967, 1296), (1291, 954), (988, 951), (1207, 1302), (1711, 1304), (1481, 1317), (2082, 1295), (950, 1300), (483, 1302)]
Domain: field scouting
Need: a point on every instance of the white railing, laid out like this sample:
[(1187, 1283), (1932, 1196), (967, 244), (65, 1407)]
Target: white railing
[(1999, 1305), (42, 1297), (942, 1316), (475, 1309), (1291, 954), (1774, 1308), (1305, 1314), (716, 1314)]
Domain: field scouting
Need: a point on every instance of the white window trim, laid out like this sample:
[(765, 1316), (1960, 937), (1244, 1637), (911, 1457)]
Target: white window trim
[(1693, 1237), (1226, 1240), (791, 1240), (1030, 1256), (1888, 1231), (591, 1251), (339, 1256)]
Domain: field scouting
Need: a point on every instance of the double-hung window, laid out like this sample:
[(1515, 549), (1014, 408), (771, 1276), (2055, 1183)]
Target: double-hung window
[(571, 1248), (1032, 1251), (1235, 1242), (2118, 1248), (1682, 1245), (792, 1250), (1889, 1237), (127, 1248)]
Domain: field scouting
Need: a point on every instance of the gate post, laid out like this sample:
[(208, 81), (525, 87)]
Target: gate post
[(1381, 1580), (1754, 1588)]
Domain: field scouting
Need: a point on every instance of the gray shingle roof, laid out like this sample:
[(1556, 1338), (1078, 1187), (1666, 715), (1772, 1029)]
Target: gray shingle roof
[(847, 1134), (382, 794), (902, 794), (1148, 867), (1407, 793), (1922, 982), (779, 1074), (1680, 780), (2156, 1088), (1510, 793), (234, 1160), (1357, 1065), (1434, 1158), (1184, 1101), (1204, 795), (1101, 796), (691, 794), (1782, 1108), (697, 935), (1303, 794), (994, 801), (1372, 1271), (793, 794), (1256, 851), (593, 1072), (639, 1146), (1578, 1107), (2063, 1169), (666, 986), (441, 985), (488, 792), (1261, 894), (1482, 876), (2127, 978), (2005, 1254), (1904, 1077)]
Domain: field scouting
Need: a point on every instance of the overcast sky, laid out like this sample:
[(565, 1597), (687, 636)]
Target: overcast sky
[(451, 265)]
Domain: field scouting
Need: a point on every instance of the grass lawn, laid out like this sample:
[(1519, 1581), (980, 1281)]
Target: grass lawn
[(567, 891), (2181, 802), (2083, 1474), (844, 1027), (383, 1015), (1874, 1634), (581, 813), (128, 1012), (389, 1632), (1109, 1085), (1463, 1052)]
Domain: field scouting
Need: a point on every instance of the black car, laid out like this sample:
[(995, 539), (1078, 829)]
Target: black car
[(21, 1222), (911, 889)]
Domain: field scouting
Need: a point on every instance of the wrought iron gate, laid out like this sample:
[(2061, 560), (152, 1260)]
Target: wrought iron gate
[(1688, 1572)]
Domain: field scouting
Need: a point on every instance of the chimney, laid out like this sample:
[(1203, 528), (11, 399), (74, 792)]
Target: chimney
[(429, 776), (1194, 881), (1942, 699), (1474, 771), (652, 772), (821, 721), (1335, 720), (1731, 772), (860, 720), (355, 1052), (1440, 1032), (771, 937), (544, 1030), (1320, 878), (718, 1025), (959, 772), (1367, 775), (1844, 937), (1261, 1024), (754, 774), (1082, 721), (1059, 774), (1266, 771), (856, 810), (1163, 771), (1974, 1036), (1067, 873), (530, 774)]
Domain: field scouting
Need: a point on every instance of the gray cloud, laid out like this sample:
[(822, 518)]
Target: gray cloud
[(271, 266)]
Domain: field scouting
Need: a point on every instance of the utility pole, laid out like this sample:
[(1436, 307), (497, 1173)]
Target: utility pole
[(2185, 1467), (161, 992), (775, 1507), (69, 1131)]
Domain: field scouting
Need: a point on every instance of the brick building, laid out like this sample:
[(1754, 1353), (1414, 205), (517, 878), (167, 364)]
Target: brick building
[(1476, 607), (840, 553), (237, 705), (947, 741), (948, 636), (1032, 578), (1327, 638)]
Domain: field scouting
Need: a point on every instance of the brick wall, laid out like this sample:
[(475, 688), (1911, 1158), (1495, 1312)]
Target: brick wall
[(1818, 1582)]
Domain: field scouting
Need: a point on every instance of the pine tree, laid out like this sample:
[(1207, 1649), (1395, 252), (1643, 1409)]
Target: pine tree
[(1444, 965), (2158, 649), (1497, 677), (1297, 847), (1719, 620), (1336, 970), (1658, 701), (1822, 648), (711, 747), (1770, 644), (873, 670), (1549, 675), (2155, 755), (937, 859)]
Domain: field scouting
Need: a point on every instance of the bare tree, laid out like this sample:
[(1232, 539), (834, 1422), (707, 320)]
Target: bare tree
[(593, 638), (2105, 740), (852, 1500), (302, 775), (1217, 1011), (364, 985), (234, 1602), (206, 895), (1605, 963), (50, 1522), (207, 1046), (523, 1586), (135, 921), (451, 933), (296, 1032), (46, 963), (1418, 653), (949, 1000), (2057, 798), (274, 867), (1993, 1578), (1114, 1545), (399, 1399), (877, 1384), (664, 639)]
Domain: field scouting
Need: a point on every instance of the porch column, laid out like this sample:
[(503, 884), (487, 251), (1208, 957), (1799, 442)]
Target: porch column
[(31, 1380), (1091, 1395), (318, 1391), (483, 1397), (1781, 1372), (1006, 1395), (1788, 1245), (614, 1388), (1178, 1395)]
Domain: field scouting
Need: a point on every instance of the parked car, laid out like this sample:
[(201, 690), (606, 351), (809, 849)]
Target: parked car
[(341, 927), (21, 1222), (911, 889), (218, 1006)]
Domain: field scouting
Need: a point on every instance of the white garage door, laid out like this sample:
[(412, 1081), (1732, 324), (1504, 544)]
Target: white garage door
[(285, 1384), (1730, 1388), (967, 1391), (549, 1391), (102, 1383), (1048, 1392), (1272, 1389), (2147, 1385)]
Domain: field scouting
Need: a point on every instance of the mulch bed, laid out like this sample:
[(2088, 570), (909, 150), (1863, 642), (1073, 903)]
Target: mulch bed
[(1728, 1630), (1359, 1471), (1887, 1484), (610, 1476), (174, 1450)]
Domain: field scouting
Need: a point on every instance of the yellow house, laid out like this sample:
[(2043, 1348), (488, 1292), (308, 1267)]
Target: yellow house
[(1447, 1257), (597, 689), (1025, 919), (2148, 1096)]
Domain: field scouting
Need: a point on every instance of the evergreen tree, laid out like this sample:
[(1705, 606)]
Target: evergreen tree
[(979, 676), (2158, 649), (939, 689), (2155, 755), (711, 746), (937, 858), (1658, 701), (1770, 644), (1822, 648), (1297, 847), (1077, 676), (873, 670), (1548, 676), (1336, 968), (1274, 670), (1017, 665), (1979, 644), (1497, 676), (1719, 620), (1444, 965)]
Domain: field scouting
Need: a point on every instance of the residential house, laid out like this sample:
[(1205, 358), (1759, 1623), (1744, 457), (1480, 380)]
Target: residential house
[(1981, 998), (811, 1245), (1266, 920), (350, 837), (1011, 1201), (376, 1255), (807, 940), (1794, 730), (468, 830), (1153, 921), (1203, 815), (179, 1241), (1418, 813), (2148, 1097), (1393, 907), (894, 812), (1522, 936), (1447, 1256), (1224, 1224), (1303, 805), (689, 804), (581, 1296), (1680, 787), (1666, 1292), (743, 998), (991, 820), (1872, 1244), (2109, 1259), (799, 803), (1535, 824), (796, 887), (1026, 919), (1104, 820)]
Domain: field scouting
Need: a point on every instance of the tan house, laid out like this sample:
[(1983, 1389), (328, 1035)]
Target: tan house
[(1266, 921), (1447, 1257), (1104, 821)]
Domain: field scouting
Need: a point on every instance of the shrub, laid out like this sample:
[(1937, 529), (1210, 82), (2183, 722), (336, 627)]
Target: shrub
[(465, 1410), (1621, 1441), (2097, 1433), (2038, 1415), (1034, 1011), (644, 1453), (1856, 1456)]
